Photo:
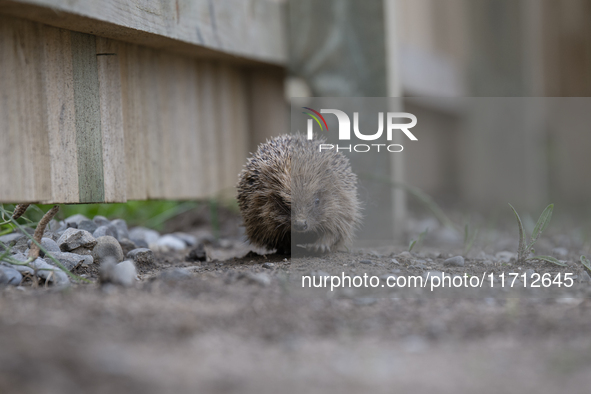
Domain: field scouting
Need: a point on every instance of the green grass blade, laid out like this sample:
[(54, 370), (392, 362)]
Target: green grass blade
[(522, 247), (412, 245), (542, 223), (585, 262), (548, 259)]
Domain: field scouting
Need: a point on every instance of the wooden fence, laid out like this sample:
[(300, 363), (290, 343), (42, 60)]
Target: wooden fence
[(117, 100)]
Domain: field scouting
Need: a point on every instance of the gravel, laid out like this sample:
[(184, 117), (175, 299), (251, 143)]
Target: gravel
[(456, 261), (141, 256), (103, 230), (144, 234), (9, 276), (74, 238), (107, 247), (127, 245), (71, 260), (169, 242), (123, 274), (121, 226)]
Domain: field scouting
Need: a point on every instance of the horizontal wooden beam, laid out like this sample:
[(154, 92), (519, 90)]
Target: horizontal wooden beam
[(251, 30)]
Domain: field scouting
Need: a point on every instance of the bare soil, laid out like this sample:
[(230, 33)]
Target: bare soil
[(230, 325)]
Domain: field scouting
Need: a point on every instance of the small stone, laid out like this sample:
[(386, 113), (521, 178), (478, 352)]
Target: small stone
[(10, 276), (23, 269), (394, 261), (188, 239), (54, 225), (49, 244), (147, 235), (175, 274), (73, 238), (260, 279), (108, 229), (121, 227), (106, 247), (87, 225), (140, 243), (10, 238), (20, 246), (368, 262), (405, 255), (456, 261), (75, 219), (268, 265), (70, 260), (506, 256), (141, 256), (197, 254), (82, 250), (127, 245), (101, 220), (123, 274), (169, 242), (561, 252), (50, 273)]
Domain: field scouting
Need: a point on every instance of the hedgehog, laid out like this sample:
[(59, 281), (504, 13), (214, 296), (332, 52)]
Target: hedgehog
[(292, 192)]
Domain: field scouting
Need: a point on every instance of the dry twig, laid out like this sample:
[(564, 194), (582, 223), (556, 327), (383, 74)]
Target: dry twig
[(34, 251)]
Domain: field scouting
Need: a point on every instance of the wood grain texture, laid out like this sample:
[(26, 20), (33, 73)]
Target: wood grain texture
[(231, 29), (267, 106), (111, 114), (135, 117), (24, 153), (88, 118), (61, 114), (208, 145)]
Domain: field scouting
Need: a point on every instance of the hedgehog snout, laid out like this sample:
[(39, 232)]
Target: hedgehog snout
[(300, 225)]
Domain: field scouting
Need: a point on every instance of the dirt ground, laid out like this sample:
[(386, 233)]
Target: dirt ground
[(243, 324)]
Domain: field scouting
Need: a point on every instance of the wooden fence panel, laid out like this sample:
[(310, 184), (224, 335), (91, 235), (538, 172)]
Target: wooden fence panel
[(101, 120)]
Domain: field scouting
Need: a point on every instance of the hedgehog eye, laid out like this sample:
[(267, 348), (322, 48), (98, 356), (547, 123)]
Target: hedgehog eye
[(317, 202)]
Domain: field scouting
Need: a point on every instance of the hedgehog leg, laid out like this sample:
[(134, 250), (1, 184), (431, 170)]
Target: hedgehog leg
[(326, 242)]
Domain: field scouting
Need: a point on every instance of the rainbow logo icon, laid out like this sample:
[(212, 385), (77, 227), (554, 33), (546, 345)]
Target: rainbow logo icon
[(316, 117)]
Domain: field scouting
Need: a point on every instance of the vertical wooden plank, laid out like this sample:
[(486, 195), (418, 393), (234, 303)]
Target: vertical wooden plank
[(267, 106), (111, 120), (165, 103), (184, 145), (88, 120), (24, 157), (225, 134), (134, 135), (151, 121), (209, 144), (61, 116), (240, 125)]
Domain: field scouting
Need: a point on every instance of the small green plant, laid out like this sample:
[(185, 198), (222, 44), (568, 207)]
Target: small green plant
[(416, 242), (469, 238), (585, 262), (526, 248)]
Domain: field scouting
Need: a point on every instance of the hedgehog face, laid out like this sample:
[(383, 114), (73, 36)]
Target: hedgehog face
[(307, 207)]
